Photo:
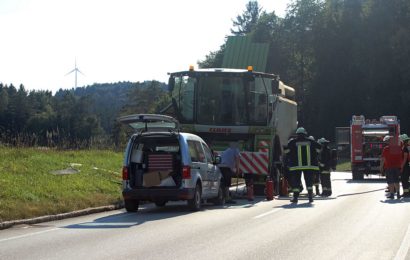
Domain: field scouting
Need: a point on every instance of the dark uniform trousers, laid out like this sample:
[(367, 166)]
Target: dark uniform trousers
[(326, 183), (296, 177), (405, 180)]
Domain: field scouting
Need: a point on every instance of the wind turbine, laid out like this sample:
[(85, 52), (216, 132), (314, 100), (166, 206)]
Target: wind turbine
[(75, 70)]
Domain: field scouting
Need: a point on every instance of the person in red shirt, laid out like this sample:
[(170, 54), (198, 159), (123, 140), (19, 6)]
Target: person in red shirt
[(391, 163)]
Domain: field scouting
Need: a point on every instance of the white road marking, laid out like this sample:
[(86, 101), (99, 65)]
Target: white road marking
[(267, 213), (28, 235), (404, 247)]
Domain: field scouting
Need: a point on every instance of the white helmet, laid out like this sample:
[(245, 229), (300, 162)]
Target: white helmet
[(323, 141), (404, 137), (301, 130)]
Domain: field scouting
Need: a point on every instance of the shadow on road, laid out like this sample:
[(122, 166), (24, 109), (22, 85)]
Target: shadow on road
[(396, 201), (149, 212), (297, 205)]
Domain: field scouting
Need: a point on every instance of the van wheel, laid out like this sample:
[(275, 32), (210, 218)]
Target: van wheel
[(131, 205), (220, 200), (195, 203), (160, 203)]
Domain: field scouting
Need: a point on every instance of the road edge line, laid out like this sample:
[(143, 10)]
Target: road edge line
[(404, 246), (77, 213)]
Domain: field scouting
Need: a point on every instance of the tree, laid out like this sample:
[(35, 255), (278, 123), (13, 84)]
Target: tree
[(4, 99), (246, 22)]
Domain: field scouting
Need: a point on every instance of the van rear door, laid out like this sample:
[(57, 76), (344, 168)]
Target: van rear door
[(150, 122)]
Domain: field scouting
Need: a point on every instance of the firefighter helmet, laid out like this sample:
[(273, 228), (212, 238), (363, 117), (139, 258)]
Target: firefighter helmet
[(301, 130), (323, 141), (311, 138), (404, 137), (386, 138)]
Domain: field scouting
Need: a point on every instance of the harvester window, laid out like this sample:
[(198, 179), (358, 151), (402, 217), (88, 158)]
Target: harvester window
[(221, 101), (257, 104), (183, 94)]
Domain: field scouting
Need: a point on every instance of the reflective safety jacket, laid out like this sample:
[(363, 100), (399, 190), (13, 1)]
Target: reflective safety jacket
[(302, 154), (325, 159)]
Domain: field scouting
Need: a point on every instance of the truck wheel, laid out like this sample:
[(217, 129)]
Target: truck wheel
[(195, 203), (357, 175), (160, 203), (131, 205), (220, 200)]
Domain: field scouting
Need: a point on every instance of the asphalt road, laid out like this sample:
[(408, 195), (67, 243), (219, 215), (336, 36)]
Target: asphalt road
[(358, 222)]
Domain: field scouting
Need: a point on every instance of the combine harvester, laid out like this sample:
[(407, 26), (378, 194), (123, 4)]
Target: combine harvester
[(240, 103)]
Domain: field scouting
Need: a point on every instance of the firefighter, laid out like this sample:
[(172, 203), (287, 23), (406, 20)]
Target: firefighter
[(405, 168), (302, 154), (316, 179), (325, 164)]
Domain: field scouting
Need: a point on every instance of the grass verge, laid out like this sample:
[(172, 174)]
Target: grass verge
[(344, 166), (28, 188)]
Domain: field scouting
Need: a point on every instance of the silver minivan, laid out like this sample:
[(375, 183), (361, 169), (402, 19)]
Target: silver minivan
[(162, 164)]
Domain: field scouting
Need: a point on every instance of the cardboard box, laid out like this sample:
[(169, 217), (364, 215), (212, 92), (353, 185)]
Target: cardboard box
[(154, 178)]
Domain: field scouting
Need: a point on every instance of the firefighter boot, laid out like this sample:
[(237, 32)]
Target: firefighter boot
[(295, 197), (317, 190), (310, 195)]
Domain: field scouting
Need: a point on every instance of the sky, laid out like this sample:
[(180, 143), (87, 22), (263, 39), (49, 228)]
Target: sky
[(111, 40)]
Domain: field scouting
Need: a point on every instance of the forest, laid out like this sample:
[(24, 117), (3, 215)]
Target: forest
[(343, 57)]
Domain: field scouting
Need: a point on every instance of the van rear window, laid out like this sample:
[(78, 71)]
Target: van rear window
[(167, 148)]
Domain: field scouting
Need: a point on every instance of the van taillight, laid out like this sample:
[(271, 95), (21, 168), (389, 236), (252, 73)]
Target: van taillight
[(186, 172), (125, 173)]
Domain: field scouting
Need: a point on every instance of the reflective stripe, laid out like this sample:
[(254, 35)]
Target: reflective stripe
[(299, 155), (325, 172), (295, 190), (308, 155), (322, 164), (406, 190), (309, 188), (301, 168)]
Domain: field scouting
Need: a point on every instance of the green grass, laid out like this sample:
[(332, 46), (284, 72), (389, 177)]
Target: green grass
[(343, 166), (29, 189)]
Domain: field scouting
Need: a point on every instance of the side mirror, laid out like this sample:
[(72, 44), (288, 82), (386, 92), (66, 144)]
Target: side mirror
[(171, 84), (275, 86)]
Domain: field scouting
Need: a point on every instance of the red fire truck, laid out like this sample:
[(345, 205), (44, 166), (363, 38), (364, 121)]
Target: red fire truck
[(367, 143)]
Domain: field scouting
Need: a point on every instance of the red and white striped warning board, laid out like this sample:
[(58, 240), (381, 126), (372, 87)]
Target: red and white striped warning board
[(263, 146), (254, 162)]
